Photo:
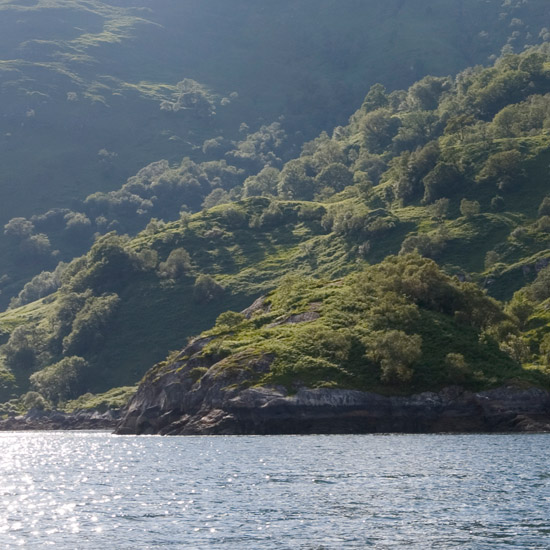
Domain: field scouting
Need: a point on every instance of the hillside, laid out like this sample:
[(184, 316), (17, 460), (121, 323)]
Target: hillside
[(343, 356), (94, 91), (450, 169)]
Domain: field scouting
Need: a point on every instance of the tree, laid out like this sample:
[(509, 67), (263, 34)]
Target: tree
[(396, 352), (440, 208), (491, 258), (504, 169), (206, 289), (176, 265), (379, 128), (539, 289), (375, 98), (335, 176), (36, 247), (216, 196), (457, 368), (262, 184), (544, 208), (59, 381), (424, 95), (497, 203), (294, 182), (90, 323), (469, 208), (445, 179), (19, 228), (520, 307)]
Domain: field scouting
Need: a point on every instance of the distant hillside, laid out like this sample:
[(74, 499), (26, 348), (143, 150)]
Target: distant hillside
[(454, 170), (93, 91)]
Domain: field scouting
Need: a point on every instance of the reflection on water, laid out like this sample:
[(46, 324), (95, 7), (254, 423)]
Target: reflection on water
[(94, 491)]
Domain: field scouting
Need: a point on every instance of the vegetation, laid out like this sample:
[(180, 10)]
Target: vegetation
[(400, 326), (452, 170), (82, 89)]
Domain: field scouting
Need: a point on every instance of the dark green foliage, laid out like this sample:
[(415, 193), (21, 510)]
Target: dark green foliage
[(379, 128), (60, 381), (262, 184), (206, 289), (397, 326), (19, 228), (176, 265), (544, 208), (504, 169), (108, 264), (469, 208), (539, 290), (444, 180), (410, 173), (335, 176), (229, 319), (376, 98), (294, 181), (90, 324), (42, 285)]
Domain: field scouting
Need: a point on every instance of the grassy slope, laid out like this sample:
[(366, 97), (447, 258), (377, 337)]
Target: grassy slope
[(157, 316), (45, 56)]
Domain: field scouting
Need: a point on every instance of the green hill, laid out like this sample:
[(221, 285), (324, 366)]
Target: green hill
[(93, 91), (450, 169)]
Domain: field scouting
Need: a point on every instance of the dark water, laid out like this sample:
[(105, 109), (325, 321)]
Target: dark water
[(97, 491)]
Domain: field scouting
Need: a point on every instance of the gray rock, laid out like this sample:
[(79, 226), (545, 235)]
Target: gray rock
[(222, 402)]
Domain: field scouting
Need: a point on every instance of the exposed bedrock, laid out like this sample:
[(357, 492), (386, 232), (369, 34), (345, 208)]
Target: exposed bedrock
[(199, 395)]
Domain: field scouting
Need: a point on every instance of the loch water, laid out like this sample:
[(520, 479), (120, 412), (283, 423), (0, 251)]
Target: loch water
[(90, 490)]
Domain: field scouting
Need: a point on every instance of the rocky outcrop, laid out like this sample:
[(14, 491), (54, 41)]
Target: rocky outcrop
[(55, 420), (201, 394)]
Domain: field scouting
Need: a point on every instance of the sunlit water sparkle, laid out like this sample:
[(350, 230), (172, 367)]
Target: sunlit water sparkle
[(99, 491)]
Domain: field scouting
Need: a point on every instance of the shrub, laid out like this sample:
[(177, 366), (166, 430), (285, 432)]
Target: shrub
[(469, 208), (59, 381), (395, 352), (90, 323), (229, 319), (176, 265), (206, 289), (457, 368)]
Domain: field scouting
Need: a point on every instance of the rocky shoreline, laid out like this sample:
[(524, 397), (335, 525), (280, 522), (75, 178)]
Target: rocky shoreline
[(264, 411), (173, 400), (197, 394), (270, 411), (56, 420)]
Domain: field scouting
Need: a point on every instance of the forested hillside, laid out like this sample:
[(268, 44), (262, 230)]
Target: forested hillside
[(452, 169), (92, 92)]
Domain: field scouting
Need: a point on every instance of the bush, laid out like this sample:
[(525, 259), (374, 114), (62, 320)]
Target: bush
[(457, 368), (395, 352), (229, 319), (206, 289), (59, 381), (90, 323), (469, 209), (176, 265)]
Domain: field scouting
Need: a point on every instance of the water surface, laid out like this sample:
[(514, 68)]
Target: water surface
[(79, 491)]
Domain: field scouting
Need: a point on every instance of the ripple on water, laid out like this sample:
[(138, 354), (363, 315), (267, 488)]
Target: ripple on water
[(94, 490)]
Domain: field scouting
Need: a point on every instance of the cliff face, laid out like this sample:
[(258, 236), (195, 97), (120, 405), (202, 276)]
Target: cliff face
[(172, 400)]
